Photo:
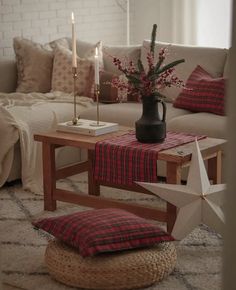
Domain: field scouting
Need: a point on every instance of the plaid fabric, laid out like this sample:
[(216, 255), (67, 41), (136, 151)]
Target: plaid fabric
[(103, 230), (124, 160), (203, 93)]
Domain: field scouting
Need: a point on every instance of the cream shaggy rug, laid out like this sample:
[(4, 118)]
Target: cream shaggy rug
[(22, 248)]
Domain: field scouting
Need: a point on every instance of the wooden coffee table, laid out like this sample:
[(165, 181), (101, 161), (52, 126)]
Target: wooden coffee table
[(175, 158)]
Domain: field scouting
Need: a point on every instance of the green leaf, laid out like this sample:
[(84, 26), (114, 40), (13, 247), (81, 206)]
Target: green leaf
[(140, 66), (153, 38), (133, 79), (158, 65), (153, 77), (170, 65)]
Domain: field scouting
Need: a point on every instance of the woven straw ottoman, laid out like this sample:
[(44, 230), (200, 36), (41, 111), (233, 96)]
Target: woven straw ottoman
[(123, 270)]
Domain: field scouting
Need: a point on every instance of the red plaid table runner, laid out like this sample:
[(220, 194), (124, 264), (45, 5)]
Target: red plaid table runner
[(123, 160)]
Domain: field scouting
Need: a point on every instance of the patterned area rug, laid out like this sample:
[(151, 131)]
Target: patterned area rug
[(22, 248)]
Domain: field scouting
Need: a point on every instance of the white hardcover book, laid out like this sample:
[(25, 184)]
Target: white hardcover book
[(88, 127)]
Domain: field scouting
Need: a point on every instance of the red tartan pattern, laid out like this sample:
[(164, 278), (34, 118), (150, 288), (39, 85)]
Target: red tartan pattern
[(203, 93), (103, 230), (124, 160)]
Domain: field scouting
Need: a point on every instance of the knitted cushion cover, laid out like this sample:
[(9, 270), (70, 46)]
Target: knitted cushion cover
[(103, 230), (62, 73), (203, 93)]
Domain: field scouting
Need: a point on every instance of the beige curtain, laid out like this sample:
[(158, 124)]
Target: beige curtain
[(184, 21)]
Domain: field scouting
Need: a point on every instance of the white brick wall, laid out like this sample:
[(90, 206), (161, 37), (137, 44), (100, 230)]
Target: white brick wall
[(46, 20)]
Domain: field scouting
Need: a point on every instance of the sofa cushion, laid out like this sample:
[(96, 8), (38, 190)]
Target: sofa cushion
[(127, 113), (210, 59), (202, 93), (103, 230), (62, 79), (87, 50), (34, 66), (127, 53), (226, 68), (8, 73), (200, 123)]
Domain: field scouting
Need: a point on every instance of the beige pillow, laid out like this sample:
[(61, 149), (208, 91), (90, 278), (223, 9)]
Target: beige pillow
[(87, 50), (62, 79), (34, 66)]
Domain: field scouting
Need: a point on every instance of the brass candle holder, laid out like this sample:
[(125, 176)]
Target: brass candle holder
[(75, 75), (96, 94)]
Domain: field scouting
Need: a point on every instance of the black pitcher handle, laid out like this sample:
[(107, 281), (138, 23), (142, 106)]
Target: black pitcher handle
[(164, 110)]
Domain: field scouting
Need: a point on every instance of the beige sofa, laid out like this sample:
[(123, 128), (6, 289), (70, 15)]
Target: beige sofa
[(214, 60)]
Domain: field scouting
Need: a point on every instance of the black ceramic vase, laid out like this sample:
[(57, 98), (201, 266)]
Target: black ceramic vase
[(150, 128)]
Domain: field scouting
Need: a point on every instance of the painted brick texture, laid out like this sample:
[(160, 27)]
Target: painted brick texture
[(46, 20)]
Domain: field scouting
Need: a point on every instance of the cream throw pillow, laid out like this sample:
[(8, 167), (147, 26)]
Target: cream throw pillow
[(62, 79), (34, 66), (87, 50)]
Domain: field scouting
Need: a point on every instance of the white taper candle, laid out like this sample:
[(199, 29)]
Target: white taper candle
[(96, 66), (74, 56)]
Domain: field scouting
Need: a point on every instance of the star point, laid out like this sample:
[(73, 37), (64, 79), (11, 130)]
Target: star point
[(198, 201)]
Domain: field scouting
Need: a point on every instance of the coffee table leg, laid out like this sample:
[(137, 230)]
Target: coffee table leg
[(214, 168), (173, 176), (93, 186), (49, 178)]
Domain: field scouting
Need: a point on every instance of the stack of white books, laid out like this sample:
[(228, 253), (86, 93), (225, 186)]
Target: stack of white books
[(88, 127)]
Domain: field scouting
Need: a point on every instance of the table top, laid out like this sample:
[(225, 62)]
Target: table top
[(77, 140), (182, 153), (178, 154)]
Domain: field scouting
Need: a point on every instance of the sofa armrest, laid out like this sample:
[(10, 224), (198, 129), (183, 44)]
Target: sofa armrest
[(8, 76)]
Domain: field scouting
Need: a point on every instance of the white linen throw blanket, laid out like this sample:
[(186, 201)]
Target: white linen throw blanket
[(23, 115)]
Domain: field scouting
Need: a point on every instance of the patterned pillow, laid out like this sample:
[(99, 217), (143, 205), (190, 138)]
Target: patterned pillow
[(62, 79), (103, 230), (203, 93)]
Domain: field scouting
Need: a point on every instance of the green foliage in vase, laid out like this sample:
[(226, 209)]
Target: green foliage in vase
[(151, 80)]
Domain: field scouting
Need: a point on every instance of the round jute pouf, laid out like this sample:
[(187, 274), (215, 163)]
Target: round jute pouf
[(124, 270)]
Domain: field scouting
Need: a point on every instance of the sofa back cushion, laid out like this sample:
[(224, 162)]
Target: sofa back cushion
[(124, 53), (8, 76), (87, 50), (226, 68), (210, 59)]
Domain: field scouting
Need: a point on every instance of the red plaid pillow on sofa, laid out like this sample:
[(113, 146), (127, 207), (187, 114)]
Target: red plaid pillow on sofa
[(203, 93), (103, 230)]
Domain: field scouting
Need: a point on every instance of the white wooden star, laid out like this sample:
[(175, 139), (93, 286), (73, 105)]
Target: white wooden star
[(198, 201)]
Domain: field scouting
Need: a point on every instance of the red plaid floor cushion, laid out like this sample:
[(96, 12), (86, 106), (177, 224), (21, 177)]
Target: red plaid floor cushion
[(203, 93), (103, 230)]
